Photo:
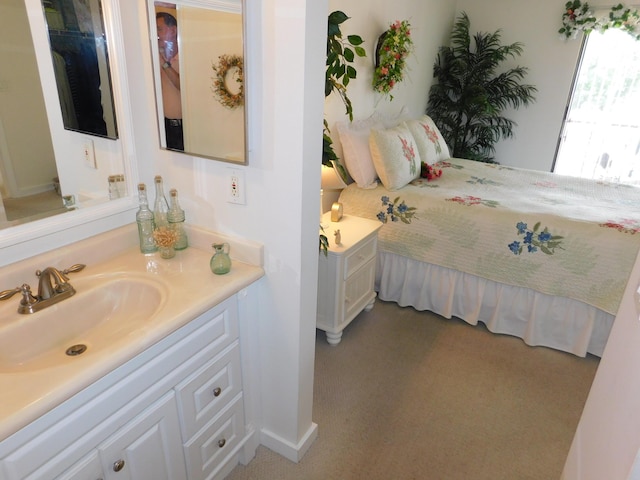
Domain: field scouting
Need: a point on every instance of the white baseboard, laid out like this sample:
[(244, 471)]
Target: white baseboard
[(288, 450)]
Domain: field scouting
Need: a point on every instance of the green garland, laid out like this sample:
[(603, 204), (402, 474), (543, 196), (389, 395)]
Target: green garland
[(578, 17), (225, 64)]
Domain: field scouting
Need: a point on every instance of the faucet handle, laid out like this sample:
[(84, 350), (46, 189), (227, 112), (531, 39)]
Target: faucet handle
[(27, 297), (74, 268)]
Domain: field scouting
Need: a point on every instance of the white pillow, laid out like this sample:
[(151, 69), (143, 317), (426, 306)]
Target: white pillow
[(431, 144), (354, 138), (395, 156)]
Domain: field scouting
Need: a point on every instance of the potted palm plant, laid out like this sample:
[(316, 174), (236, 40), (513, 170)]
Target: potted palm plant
[(472, 91)]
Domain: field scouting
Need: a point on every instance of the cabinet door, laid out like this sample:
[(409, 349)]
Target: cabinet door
[(148, 447)]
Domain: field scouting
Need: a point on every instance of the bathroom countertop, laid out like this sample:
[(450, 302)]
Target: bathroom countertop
[(194, 289)]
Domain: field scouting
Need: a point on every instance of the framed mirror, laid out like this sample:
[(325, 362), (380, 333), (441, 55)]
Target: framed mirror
[(80, 56), (41, 161), (198, 52)]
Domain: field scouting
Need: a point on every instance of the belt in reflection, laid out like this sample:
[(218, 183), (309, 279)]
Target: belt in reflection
[(174, 122)]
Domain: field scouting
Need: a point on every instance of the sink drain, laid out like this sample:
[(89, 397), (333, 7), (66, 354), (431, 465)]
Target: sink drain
[(74, 350)]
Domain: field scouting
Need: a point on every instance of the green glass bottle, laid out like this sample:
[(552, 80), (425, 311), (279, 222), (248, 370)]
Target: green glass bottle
[(146, 224), (176, 217), (220, 262)]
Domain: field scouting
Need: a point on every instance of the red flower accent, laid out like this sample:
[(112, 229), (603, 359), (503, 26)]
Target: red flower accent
[(430, 172)]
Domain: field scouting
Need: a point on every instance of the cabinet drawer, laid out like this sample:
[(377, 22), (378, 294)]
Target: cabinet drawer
[(359, 256), (358, 291), (206, 453), (208, 390)]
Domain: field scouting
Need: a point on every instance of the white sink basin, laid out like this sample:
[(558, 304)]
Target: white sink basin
[(103, 312)]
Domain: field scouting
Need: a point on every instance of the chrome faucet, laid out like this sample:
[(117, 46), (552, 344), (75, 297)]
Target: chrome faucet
[(53, 287)]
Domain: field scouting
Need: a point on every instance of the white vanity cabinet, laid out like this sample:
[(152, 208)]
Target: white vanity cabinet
[(148, 448), (173, 412)]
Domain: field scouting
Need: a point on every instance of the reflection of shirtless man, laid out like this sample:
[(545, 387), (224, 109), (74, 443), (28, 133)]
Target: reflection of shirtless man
[(170, 77)]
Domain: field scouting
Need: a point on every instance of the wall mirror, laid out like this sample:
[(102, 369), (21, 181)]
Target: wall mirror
[(40, 159), (198, 52), (81, 65)]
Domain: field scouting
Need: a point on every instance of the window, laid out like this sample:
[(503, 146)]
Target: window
[(601, 132)]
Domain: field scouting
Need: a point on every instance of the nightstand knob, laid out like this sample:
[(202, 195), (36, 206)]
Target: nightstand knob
[(217, 391), (119, 465), (222, 442)]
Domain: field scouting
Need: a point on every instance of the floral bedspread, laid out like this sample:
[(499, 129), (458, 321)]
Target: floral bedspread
[(558, 235)]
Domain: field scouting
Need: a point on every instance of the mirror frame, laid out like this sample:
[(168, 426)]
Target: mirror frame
[(28, 239), (230, 6)]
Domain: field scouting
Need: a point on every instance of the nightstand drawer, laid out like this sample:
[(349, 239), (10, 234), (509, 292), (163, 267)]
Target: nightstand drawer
[(204, 394), (361, 255)]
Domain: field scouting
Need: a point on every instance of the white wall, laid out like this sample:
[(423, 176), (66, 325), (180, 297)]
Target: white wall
[(608, 436)]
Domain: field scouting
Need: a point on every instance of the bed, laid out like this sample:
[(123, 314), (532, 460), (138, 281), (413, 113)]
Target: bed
[(532, 254)]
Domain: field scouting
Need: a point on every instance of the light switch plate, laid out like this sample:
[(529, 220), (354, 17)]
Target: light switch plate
[(89, 154)]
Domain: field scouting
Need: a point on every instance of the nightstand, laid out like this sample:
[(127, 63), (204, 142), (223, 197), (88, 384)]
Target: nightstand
[(346, 275)]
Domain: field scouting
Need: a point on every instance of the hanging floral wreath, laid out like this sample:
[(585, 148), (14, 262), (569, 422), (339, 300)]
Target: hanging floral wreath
[(229, 66), (393, 47), (578, 17)]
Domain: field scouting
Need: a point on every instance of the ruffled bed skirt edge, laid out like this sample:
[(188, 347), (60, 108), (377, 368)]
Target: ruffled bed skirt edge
[(538, 319)]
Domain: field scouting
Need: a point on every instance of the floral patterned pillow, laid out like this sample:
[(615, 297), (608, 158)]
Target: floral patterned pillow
[(395, 156), (429, 140)]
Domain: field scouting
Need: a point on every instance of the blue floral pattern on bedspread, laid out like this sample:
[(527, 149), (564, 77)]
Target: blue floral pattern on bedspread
[(534, 240), (574, 237)]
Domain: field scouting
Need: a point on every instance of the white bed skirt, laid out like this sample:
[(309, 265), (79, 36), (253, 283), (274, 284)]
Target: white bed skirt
[(537, 318)]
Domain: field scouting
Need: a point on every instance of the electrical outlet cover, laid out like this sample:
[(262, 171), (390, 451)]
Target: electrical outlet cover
[(236, 187)]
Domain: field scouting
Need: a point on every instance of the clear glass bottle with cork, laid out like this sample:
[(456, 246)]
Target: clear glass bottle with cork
[(145, 221), (160, 206), (176, 217)]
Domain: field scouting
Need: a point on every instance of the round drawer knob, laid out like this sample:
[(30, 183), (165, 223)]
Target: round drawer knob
[(217, 391), (222, 442), (119, 465)]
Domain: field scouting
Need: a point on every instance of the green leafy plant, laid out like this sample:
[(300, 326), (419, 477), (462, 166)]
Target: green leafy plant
[(341, 53), (578, 17), (394, 46), (472, 91), (324, 242)]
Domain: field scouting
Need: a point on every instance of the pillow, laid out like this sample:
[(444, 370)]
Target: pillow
[(431, 144), (395, 156), (354, 138)]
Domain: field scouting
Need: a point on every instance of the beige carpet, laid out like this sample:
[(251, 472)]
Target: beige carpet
[(409, 395), (36, 206)]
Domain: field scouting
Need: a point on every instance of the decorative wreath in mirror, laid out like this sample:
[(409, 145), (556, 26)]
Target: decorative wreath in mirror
[(229, 69)]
